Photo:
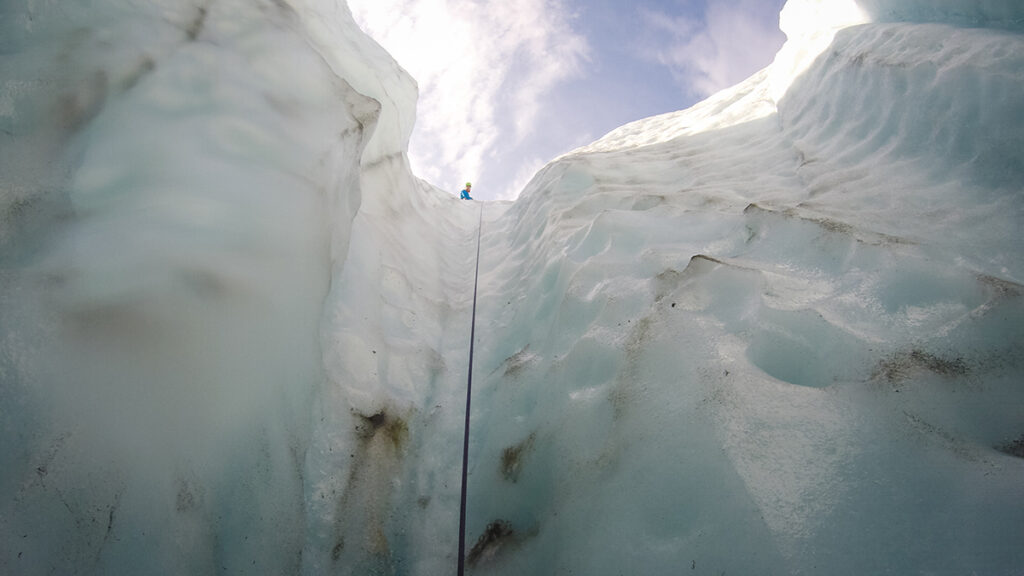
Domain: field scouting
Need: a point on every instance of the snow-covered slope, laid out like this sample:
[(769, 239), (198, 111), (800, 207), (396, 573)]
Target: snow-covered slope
[(780, 332)]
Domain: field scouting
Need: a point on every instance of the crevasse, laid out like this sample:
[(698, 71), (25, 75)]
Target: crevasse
[(779, 332)]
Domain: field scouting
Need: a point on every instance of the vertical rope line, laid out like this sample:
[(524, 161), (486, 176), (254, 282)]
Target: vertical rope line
[(469, 393)]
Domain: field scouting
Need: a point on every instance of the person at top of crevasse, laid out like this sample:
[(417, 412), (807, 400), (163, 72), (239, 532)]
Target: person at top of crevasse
[(464, 195)]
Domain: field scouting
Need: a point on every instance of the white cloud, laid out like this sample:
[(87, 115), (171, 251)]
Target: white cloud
[(483, 68), (735, 39), (527, 170)]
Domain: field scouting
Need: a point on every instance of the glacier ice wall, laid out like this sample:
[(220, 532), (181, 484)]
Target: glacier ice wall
[(180, 182), (779, 332)]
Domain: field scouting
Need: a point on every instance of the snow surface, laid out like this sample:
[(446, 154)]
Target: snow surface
[(780, 332)]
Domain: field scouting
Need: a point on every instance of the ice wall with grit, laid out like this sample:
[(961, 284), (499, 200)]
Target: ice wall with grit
[(779, 332), (179, 185)]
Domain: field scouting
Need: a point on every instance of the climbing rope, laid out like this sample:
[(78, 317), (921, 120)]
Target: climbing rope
[(469, 391)]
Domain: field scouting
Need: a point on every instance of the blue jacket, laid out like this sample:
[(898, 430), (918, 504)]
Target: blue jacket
[(464, 195)]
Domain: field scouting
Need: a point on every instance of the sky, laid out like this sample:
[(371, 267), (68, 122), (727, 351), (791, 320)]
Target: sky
[(507, 86)]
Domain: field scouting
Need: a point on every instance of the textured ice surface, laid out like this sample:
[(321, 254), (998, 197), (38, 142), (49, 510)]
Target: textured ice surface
[(180, 183), (778, 333), (770, 337)]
